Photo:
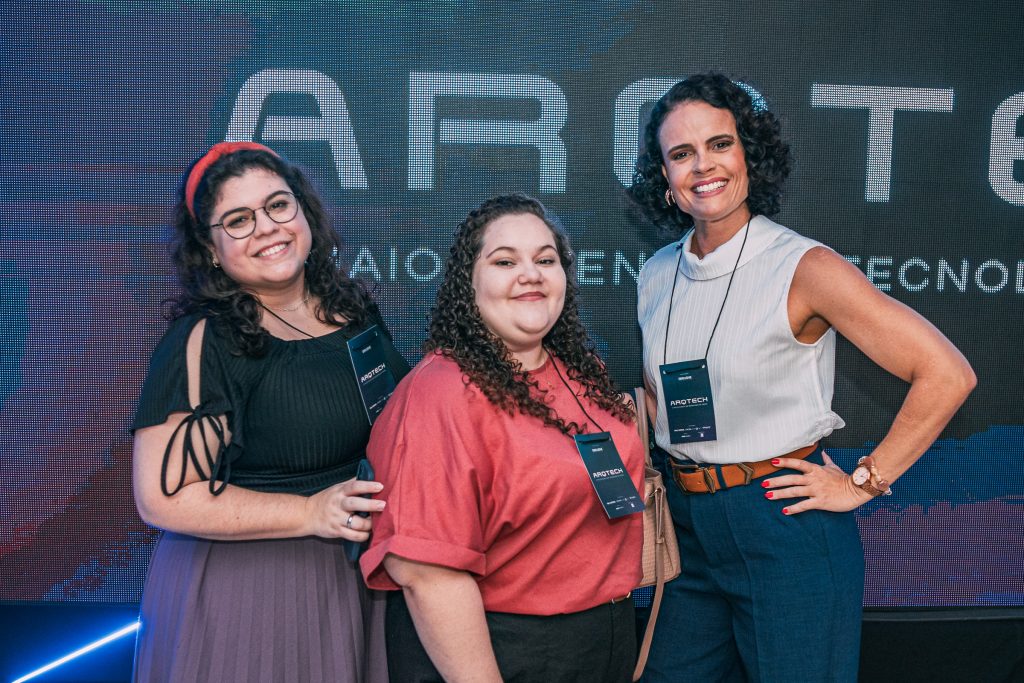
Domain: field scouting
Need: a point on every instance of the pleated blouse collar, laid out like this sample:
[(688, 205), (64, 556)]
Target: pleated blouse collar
[(721, 261)]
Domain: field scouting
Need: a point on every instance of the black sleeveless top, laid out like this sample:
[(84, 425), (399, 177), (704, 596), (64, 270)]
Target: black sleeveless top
[(295, 415)]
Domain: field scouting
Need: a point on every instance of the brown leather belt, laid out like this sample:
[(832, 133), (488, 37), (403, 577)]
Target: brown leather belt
[(693, 478)]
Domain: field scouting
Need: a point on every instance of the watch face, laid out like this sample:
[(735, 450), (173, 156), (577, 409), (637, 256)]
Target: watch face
[(860, 476)]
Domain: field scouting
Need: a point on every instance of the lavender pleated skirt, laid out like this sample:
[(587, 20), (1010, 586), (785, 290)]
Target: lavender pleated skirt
[(275, 611)]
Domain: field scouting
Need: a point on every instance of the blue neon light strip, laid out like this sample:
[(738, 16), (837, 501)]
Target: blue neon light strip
[(121, 632)]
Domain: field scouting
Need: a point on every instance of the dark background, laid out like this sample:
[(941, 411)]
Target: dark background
[(106, 103)]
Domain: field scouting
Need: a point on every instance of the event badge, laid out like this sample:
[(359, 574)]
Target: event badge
[(611, 481), (376, 383), (688, 405)]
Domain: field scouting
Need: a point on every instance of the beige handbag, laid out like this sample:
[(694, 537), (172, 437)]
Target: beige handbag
[(661, 551)]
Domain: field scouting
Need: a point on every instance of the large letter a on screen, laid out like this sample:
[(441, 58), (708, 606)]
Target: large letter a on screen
[(332, 126)]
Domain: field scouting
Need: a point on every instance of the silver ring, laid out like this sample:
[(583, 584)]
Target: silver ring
[(348, 522)]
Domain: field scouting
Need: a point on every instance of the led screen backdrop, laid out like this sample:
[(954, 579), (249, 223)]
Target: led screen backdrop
[(907, 122)]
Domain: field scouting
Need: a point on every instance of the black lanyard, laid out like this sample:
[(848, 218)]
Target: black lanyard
[(675, 280), (578, 402), (297, 329)]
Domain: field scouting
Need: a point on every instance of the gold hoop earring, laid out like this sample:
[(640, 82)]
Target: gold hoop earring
[(669, 199)]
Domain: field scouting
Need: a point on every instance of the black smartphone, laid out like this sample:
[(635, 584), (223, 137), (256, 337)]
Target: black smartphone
[(364, 472)]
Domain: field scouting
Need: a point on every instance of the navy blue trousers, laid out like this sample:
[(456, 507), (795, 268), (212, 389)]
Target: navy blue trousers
[(762, 596)]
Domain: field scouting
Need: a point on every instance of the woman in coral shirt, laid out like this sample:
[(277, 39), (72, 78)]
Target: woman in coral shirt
[(509, 567)]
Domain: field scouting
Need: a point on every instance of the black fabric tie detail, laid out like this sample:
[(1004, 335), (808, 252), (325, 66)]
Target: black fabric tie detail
[(201, 419)]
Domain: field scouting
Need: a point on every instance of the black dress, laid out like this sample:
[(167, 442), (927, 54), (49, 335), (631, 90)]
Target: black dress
[(269, 610)]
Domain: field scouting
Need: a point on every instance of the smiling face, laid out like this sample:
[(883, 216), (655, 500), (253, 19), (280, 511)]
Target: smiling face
[(271, 260), (705, 166), (519, 283)]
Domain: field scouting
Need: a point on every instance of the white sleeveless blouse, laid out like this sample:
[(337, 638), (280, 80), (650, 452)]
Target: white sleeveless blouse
[(772, 394)]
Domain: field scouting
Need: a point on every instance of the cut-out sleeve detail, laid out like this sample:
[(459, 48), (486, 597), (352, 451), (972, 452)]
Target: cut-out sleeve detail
[(199, 420), (204, 438)]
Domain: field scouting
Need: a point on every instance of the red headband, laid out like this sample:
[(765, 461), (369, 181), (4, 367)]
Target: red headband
[(216, 152)]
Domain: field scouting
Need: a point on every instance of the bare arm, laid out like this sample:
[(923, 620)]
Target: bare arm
[(237, 513), (449, 615), (828, 290)]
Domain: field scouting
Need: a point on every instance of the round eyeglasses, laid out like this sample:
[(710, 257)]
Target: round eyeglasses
[(240, 223)]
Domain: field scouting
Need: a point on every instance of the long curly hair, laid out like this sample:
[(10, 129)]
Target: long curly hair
[(458, 332), (767, 156), (209, 291)]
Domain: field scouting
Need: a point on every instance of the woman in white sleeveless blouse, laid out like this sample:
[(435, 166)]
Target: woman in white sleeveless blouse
[(741, 314)]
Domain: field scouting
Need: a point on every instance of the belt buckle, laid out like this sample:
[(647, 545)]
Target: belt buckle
[(709, 479), (691, 468), (748, 472)]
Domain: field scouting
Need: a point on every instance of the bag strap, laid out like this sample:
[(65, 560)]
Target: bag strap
[(640, 403), (659, 591), (640, 397)]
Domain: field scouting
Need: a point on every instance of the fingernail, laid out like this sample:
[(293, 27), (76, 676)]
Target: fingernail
[(381, 506), (775, 461), (769, 495), (380, 487), (765, 484), (785, 511)]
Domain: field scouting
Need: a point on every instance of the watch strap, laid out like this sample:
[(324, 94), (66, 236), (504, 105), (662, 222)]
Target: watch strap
[(875, 485)]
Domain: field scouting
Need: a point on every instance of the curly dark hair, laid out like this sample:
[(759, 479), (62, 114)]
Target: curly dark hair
[(767, 155), (209, 291), (458, 332)]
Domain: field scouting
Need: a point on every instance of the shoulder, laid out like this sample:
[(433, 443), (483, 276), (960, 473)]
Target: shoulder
[(438, 390), (786, 239), (821, 267), (662, 262), (434, 398), (437, 373), (173, 345), (662, 259)]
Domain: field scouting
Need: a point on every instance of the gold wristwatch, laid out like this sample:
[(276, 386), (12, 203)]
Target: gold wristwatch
[(866, 478)]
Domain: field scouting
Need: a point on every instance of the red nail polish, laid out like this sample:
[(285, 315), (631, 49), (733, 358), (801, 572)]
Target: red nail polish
[(775, 461), (785, 511), (769, 495), (765, 484)]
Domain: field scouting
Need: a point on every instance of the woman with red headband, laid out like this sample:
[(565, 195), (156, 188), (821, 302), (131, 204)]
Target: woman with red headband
[(248, 434)]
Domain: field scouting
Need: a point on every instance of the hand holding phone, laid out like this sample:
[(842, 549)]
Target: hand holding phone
[(364, 472)]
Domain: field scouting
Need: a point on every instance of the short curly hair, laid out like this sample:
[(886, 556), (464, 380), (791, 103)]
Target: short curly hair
[(208, 291), (767, 155), (458, 331)]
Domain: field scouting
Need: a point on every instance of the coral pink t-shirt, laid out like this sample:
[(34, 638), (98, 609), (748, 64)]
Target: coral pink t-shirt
[(501, 496)]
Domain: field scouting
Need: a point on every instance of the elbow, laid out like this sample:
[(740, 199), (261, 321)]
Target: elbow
[(949, 378), (960, 379), (146, 510), (402, 571), (153, 508), (967, 380), (415, 578)]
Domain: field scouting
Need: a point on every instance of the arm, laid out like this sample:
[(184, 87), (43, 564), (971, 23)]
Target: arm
[(651, 399), (237, 513), (449, 615), (829, 291)]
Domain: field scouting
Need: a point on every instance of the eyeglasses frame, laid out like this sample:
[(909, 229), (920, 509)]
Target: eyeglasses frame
[(298, 206)]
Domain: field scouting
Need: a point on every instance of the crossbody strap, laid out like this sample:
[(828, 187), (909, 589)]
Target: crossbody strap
[(639, 394), (640, 402)]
